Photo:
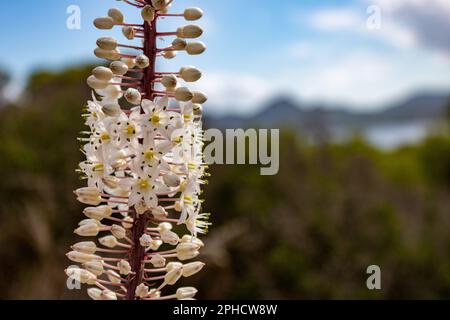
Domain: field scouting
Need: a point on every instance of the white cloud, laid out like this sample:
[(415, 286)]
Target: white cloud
[(336, 19)]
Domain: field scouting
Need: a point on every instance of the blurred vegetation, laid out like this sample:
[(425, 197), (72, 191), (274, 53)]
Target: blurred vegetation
[(308, 232)]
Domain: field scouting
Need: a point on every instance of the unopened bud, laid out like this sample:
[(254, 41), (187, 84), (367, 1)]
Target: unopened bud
[(133, 96), (158, 261), (88, 247), (173, 276), (88, 230), (169, 54), (127, 222), (192, 14), (199, 97), (108, 295), (104, 23), (98, 213), (95, 266), (186, 293), (124, 267), (165, 226), (145, 240), (172, 179), (191, 31), (116, 15), (169, 81), (96, 84), (118, 67), (107, 43), (183, 94), (170, 237), (142, 61), (190, 74), (142, 291), (186, 251), (118, 231), (159, 4), (131, 63), (108, 241), (198, 109), (148, 13), (94, 293), (107, 54), (159, 212), (179, 44), (155, 245), (113, 276), (195, 48), (129, 32), (111, 109), (84, 276), (192, 268), (81, 257), (190, 239)]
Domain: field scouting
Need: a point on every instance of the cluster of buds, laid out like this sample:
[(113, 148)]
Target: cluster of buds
[(144, 164)]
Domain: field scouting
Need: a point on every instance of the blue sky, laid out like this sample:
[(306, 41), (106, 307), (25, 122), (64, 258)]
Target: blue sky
[(314, 50)]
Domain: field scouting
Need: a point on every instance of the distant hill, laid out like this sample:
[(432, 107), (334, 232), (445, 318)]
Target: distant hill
[(284, 111)]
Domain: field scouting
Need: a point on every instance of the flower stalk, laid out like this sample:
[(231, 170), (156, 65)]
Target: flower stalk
[(144, 164)]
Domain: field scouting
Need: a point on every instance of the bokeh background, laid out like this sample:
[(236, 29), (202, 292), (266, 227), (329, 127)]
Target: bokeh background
[(364, 158)]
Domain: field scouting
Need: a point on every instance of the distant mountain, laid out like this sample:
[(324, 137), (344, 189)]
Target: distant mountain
[(284, 111)]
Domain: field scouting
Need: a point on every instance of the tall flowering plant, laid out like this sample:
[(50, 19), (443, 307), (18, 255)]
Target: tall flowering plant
[(144, 166)]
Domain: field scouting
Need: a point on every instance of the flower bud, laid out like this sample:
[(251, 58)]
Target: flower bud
[(159, 4), (81, 275), (88, 247), (192, 14), (190, 239), (104, 23), (131, 63), (133, 96), (179, 44), (191, 31), (108, 295), (118, 231), (102, 73), (142, 61), (140, 208), (81, 257), (142, 291), (186, 293), (195, 48), (165, 226), (95, 266), (171, 179), (173, 276), (98, 213), (155, 245), (159, 212), (186, 251), (145, 240), (148, 13), (124, 267), (116, 15), (107, 43), (128, 32), (158, 261), (107, 54), (96, 84), (192, 268), (88, 195), (108, 241), (190, 74), (183, 94), (169, 81), (169, 54), (88, 230), (199, 97), (118, 68), (111, 109), (95, 293), (170, 237), (113, 276), (127, 222), (174, 265)]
